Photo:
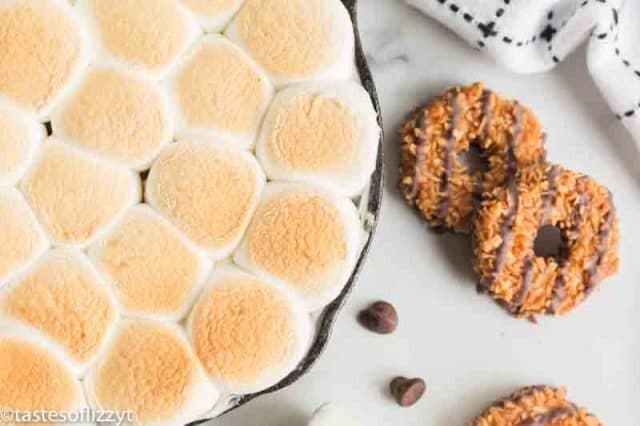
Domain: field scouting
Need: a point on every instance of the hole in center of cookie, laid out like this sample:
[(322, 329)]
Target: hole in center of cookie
[(473, 160), (548, 241)]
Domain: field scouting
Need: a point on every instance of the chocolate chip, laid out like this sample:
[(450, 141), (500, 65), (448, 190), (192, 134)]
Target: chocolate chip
[(381, 317), (407, 391)]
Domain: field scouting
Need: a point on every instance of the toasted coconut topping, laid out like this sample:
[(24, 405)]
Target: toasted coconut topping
[(506, 227), (435, 178), (536, 406)]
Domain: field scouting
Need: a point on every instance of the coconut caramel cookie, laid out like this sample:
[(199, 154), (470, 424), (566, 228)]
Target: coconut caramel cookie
[(435, 176), (536, 406), (506, 228)]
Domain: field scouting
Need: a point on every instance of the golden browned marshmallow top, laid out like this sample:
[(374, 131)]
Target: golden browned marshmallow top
[(304, 237), (117, 116), (153, 270), (149, 33), (151, 370), (295, 40), (323, 134), (20, 137), (43, 49), (32, 378), (219, 91), (76, 196), (247, 333), (208, 189), (63, 297), (22, 238)]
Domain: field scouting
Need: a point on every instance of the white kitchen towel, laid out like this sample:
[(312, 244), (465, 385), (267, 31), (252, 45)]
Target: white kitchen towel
[(528, 36)]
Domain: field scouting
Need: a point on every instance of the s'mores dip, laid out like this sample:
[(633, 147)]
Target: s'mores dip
[(180, 198)]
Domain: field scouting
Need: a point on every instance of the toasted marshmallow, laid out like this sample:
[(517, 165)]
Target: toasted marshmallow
[(21, 134), (76, 196), (297, 40), (305, 238), (219, 92), (147, 34), (248, 333), (213, 15), (326, 135), (208, 190), (153, 269), (34, 374), (151, 370), (63, 297), (117, 115), (44, 49), (22, 238)]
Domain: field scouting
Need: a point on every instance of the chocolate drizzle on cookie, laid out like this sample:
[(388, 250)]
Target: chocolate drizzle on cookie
[(506, 230), (487, 113), (552, 178), (527, 267), (578, 215), (551, 416), (450, 136), (603, 247), (421, 130)]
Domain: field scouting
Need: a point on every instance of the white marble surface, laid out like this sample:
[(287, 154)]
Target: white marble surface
[(465, 347)]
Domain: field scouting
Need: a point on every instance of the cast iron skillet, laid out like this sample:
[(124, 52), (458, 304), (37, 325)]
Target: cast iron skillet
[(370, 211)]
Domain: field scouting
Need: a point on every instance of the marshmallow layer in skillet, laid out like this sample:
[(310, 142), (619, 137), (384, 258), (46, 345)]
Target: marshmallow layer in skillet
[(133, 189)]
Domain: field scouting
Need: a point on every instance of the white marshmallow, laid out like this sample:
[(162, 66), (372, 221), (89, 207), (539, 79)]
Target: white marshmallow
[(218, 92), (322, 134), (154, 270), (116, 113), (38, 73), (305, 238), (20, 138), (76, 196), (150, 369), (307, 40), (148, 35), (247, 332)]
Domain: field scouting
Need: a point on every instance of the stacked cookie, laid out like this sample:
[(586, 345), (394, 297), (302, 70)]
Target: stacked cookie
[(179, 182), (505, 202)]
